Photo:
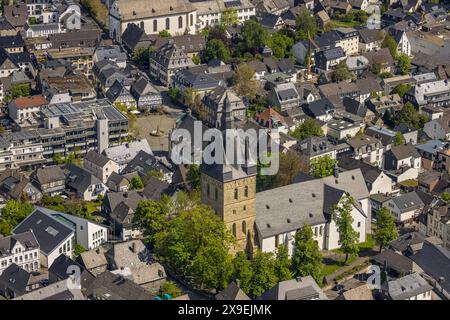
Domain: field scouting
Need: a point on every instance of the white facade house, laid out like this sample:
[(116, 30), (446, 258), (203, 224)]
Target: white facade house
[(405, 207), (89, 234), (211, 12), (100, 166), (438, 128), (54, 236), (409, 287), (21, 249), (153, 16), (21, 109)]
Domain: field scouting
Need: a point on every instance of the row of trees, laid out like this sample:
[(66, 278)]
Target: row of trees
[(195, 243)]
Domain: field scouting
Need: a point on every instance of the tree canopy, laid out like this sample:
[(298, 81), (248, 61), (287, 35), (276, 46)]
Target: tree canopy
[(12, 214), (390, 43), (280, 44), (216, 49), (307, 258), (348, 237), (342, 73), (385, 229), (409, 115), (244, 84), (399, 139), (305, 23), (253, 37), (403, 63), (322, 167), (309, 128)]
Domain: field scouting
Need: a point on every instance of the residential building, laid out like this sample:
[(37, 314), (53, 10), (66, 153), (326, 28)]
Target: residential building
[(409, 287), (153, 16), (15, 281), (88, 233), (166, 61), (216, 102), (438, 224), (405, 207), (285, 96), (134, 257), (84, 184), (401, 38), (327, 59), (211, 12), (21, 249), (145, 95), (343, 128), (433, 94), (54, 237), (50, 180), (367, 148), (144, 162), (94, 260), (99, 165), (315, 147), (124, 153), (321, 109), (438, 128), (402, 156), (21, 109), (300, 288)]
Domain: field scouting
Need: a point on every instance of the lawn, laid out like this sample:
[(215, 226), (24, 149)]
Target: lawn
[(91, 206), (369, 244), (329, 268), (343, 24), (410, 183)]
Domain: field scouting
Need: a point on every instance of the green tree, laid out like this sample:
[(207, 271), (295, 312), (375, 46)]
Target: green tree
[(445, 196), (403, 63), (152, 174), (280, 44), (401, 89), (322, 167), (264, 276), (283, 264), (164, 34), (136, 183), (196, 59), (196, 242), (12, 214), (399, 139), (229, 17), (305, 23), (385, 229), (57, 159), (244, 83), (348, 237), (306, 258), (389, 42), (78, 249), (174, 93), (242, 271), (409, 115), (342, 73), (20, 90), (309, 128), (216, 49), (253, 37), (290, 165), (376, 68), (141, 55), (193, 176), (170, 288), (151, 217)]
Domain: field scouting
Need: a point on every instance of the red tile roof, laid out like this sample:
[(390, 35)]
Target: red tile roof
[(29, 102)]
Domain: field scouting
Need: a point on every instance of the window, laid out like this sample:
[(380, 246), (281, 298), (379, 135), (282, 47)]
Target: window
[(321, 230), (246, 191), (192, 20), (234, 229), (155, 25), (142, 25), (167, 23), (316, 231), (216, 194), (236, 194), (359, 224), (207, 189), (244, 227), (180, 22)]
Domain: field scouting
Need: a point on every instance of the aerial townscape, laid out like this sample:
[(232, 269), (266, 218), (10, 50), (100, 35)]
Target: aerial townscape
[(351, 95)]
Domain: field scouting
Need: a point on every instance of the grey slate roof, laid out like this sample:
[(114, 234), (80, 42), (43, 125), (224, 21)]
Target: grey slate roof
[(232, 292), (301, 288), (155, 189), (288, 208), (49, 232), (407, 287), (15, 279), (434, 260), (78, 178), (27, 239), (109, 286), (96, 158), (393, 260), (60, 266), (408, 201), (49, 174), (131, 199), (404, 151)]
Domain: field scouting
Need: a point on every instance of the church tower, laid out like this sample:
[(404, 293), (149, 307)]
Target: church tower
[(230, 189)]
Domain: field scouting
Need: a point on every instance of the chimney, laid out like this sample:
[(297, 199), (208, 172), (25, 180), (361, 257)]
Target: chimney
[(133, 247), (336, 170), (298, 279)]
